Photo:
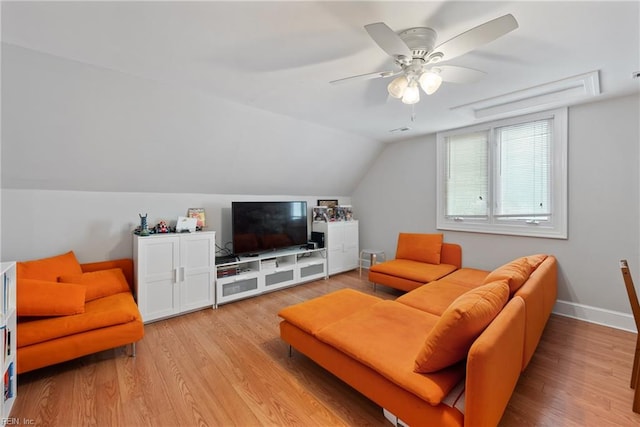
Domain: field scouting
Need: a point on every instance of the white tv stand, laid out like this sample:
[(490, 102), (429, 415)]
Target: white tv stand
[(266, 272)]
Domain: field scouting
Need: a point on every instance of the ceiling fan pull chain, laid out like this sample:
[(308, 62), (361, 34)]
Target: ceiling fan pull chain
[(413, 112)]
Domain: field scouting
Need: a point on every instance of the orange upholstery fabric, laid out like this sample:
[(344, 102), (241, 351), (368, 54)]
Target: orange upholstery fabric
[(419, 247), (493, 368), (107, 322), (449, 341), (49, 268), (539, 294), (467, 277), (101, 313), (412, 270), (415, 411), (377, 337), (73, 346), (124, 264), (44, 298), (314, 314), (516, 272), (99, 283), (362, 348), (433, 298)]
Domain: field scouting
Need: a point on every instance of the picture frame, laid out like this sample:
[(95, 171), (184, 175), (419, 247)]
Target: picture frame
[(330, 203), (199, 215)]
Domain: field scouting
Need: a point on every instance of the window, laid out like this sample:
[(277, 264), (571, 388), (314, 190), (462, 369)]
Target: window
[(505, 177)]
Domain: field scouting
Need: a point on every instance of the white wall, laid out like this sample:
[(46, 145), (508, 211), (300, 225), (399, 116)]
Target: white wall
[(73, 126), (99, 225), (399, 192)]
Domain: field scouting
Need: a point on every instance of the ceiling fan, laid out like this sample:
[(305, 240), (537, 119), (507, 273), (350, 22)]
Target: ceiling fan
[(413, 50)]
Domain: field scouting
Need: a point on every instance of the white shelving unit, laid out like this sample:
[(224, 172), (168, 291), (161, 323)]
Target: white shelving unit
[(174, 273), (341, 241), (252, 276), (9, 319)]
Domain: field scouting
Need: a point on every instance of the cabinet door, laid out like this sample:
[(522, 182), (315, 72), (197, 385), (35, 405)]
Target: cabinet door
[(197, 267), (350, 246), (158, 262)]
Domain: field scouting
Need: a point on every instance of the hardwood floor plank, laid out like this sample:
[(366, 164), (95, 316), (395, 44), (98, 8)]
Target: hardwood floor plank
[(228, 367)]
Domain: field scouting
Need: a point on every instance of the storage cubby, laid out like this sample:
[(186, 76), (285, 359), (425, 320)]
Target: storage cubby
[(250, 276), (8, 316)]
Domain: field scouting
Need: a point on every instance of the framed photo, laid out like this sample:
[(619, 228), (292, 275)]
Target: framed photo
[(320, 214), (328, 203), (198, 214)]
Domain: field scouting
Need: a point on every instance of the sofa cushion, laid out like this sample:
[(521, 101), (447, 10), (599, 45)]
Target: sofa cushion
[(413, 270), (386, 337), (99, 283), (516, 272), (101, 313), (433, 298), (467, 277), (458, 327), (314, 314), (49, 268), (45, 298), (419, 247)]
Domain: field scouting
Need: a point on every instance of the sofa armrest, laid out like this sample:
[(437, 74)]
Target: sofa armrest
[(494, 364), (451, 254), (126, 264)]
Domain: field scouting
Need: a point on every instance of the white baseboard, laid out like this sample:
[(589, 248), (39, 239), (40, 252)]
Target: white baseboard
[(600, 316)]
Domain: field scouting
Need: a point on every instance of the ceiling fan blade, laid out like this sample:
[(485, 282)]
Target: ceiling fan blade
[(454, 74), (475, 37), (388, 40), (367, 76)]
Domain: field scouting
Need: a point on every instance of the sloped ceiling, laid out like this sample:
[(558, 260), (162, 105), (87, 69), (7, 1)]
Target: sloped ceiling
[(233, 97)]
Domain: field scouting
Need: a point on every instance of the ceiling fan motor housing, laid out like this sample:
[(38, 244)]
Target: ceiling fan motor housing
[(420, 40)]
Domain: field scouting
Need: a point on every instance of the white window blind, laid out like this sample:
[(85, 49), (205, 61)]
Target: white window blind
[(467, 175), (524, 165), (506, 177)]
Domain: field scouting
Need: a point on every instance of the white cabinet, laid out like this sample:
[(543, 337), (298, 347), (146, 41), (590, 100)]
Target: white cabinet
[(9, 319), (341, 242), (251, 276), (174, 273)]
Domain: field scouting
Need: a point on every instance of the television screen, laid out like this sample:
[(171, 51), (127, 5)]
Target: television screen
[(265, 226)]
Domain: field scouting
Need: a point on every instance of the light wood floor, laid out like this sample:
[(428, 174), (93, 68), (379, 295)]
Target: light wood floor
[(228, 367)]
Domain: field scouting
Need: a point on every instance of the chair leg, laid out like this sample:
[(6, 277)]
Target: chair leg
[(636, 396), (133, 349), (635, 371)]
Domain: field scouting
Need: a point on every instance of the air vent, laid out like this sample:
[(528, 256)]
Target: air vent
[(402, 129)]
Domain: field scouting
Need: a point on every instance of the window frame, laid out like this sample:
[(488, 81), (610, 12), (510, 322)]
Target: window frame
[(556, 227)]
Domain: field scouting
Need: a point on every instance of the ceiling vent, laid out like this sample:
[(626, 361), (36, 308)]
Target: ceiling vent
[(550, 95)]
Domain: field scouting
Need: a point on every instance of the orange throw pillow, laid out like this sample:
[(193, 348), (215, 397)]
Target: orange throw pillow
[(516, 272), (49, 268), (419, 247), (460, 324), (45, 298), (99, 284)]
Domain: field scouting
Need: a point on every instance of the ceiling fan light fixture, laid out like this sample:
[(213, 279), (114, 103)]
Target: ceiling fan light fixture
[(411, 94), (430, 81), (397, 87)]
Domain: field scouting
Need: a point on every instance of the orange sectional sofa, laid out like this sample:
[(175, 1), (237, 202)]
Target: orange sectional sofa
[(448, 353), (67, 309), (420, 259)]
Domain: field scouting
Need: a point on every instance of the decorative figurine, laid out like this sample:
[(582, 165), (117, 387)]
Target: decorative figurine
[(162, 227), (144, 229)]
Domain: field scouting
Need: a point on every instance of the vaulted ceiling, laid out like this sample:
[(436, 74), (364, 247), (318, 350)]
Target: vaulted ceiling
[(257, 68)]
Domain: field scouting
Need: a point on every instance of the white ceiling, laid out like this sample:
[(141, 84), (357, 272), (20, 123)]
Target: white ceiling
[(280, 56)]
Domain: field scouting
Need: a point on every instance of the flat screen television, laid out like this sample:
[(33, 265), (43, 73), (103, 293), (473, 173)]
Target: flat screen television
[(259, 227)]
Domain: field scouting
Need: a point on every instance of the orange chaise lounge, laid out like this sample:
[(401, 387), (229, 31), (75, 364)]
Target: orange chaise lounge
[(67, 309), (420, 258), (448, 353)]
